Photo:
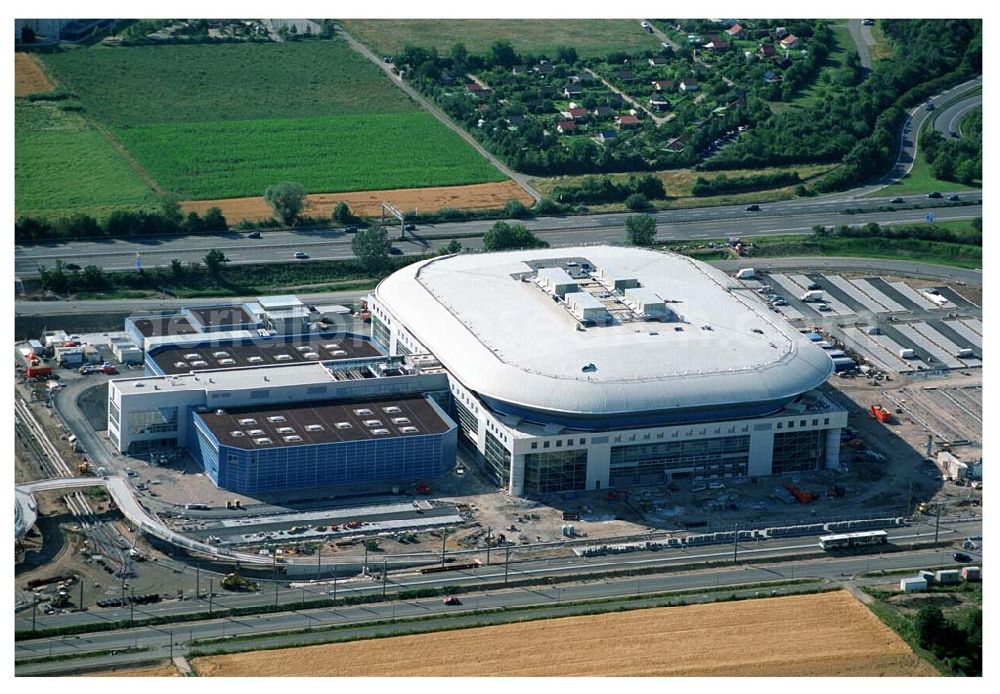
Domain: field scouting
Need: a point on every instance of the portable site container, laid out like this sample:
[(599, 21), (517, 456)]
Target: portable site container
[(947, 576), (912, 585), (971, 573)]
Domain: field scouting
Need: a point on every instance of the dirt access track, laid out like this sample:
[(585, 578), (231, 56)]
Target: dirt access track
[(825, 634), (28, 76), (481, 196)]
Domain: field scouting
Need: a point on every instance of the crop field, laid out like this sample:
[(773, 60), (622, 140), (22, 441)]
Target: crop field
[(826, 634), (156, 671), (331, 153), (225, 82), (227, 120), (63, 165), (28, 76), (590, 37), (479, 196)]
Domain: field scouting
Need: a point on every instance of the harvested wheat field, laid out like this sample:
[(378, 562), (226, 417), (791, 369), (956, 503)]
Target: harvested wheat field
[(28, 76), (827, 634), (481, 196), (158, 671)]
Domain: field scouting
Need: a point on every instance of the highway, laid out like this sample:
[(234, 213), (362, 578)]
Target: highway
[(863, 40), (157, 639), (948, 120), (779, 218)]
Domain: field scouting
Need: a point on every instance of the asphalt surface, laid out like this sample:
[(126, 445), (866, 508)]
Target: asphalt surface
[(158, 639), (863, 40), (788, 217), (948, 119)]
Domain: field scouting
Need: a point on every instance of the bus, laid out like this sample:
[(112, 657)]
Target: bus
[(848, 540)]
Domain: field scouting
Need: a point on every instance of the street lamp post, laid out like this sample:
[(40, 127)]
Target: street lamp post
[(506, 564)]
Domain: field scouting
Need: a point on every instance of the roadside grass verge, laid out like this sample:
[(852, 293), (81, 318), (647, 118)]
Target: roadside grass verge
[(941, 253)]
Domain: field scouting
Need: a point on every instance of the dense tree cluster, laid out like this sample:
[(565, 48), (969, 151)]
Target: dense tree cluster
[(119, 223), (959, 160), (958, 644), (602, 189), (505, 237)]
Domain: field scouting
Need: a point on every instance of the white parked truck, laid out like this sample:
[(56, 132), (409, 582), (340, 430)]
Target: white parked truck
[(746, 273), (812, 295), (907, 353)]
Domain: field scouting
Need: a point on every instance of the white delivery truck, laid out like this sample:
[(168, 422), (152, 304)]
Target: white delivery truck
[(746, 273), (812, 295), (907, 353)]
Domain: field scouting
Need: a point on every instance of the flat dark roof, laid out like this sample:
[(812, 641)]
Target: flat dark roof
[(182, 360), (174, 324), (324, 422), (221, 316)]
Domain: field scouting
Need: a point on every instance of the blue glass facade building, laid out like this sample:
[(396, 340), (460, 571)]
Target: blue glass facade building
[(294, 467)]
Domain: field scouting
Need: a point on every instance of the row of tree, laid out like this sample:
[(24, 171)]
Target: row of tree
[(722, 184), (924, 232), (602, 189), (959, 160), (121, 224)]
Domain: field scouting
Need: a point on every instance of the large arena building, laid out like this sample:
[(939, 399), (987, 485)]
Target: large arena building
[(599, 367)]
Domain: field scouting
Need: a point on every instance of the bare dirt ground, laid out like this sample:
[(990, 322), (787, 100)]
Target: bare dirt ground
[(829, 634), (28, 76), (481, 196)]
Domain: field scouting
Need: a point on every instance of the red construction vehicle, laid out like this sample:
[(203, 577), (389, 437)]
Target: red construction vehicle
[(38, 371), (880, 413), (422, 488), (803, 497), (364, 314)]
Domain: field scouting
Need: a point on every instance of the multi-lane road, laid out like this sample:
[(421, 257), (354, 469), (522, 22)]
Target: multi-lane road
[(787, 217), (157, 640)]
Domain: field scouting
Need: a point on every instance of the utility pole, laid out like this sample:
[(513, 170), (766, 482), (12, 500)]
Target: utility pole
[(736, 540), (210, 591), (123, 588), (275, 593), (319, 562), (444, 535), (506, 565), (364, 571), (81, 605), (489, 533), (131, 607), (34, 609), (937, 523), (171, 645), (197, 583), (334, 584), (385, 577)]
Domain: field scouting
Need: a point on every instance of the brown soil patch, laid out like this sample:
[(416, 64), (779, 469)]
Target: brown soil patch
[(809, 635), (481, 196), (28, 76), (158, 671)]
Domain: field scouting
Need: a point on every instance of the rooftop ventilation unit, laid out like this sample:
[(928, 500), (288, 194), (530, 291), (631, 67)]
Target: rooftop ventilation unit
[(247, 421), (409, 430), (361, 411), (391, 409), (380, 432), (337, 352), (263, 441), (311, 355), (276, 419), (282, 357), (286, 430), (339, 425), (193, 355), (331, 345), (400, 420), (318, 427), (199, 362), (255, 360), (227, 362), (293, 438), (180, 364), (256, 432), (303, 348), (236, 434), (220, 354), (373, 422)]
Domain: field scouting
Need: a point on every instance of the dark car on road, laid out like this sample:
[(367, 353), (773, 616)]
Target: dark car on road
[(409, 227), (961, 557), (753, 208), (452, 600), (395, 251), (935, 194), (253, 235), (352, 229), (896, 201), (954, 198)]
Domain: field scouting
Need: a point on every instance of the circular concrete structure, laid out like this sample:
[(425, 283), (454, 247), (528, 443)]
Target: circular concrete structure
[(592, 357)]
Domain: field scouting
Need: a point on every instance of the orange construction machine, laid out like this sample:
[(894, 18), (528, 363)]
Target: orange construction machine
[(881, 414)]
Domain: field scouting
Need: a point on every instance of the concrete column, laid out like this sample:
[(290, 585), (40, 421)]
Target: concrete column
[(517, 475), (832, 448), (761, 450), (598, 466)]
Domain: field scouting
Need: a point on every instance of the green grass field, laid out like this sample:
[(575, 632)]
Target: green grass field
[(334, 153), (590, 37), (162, 84), (63, 165), (227, 120), (943, 253)]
